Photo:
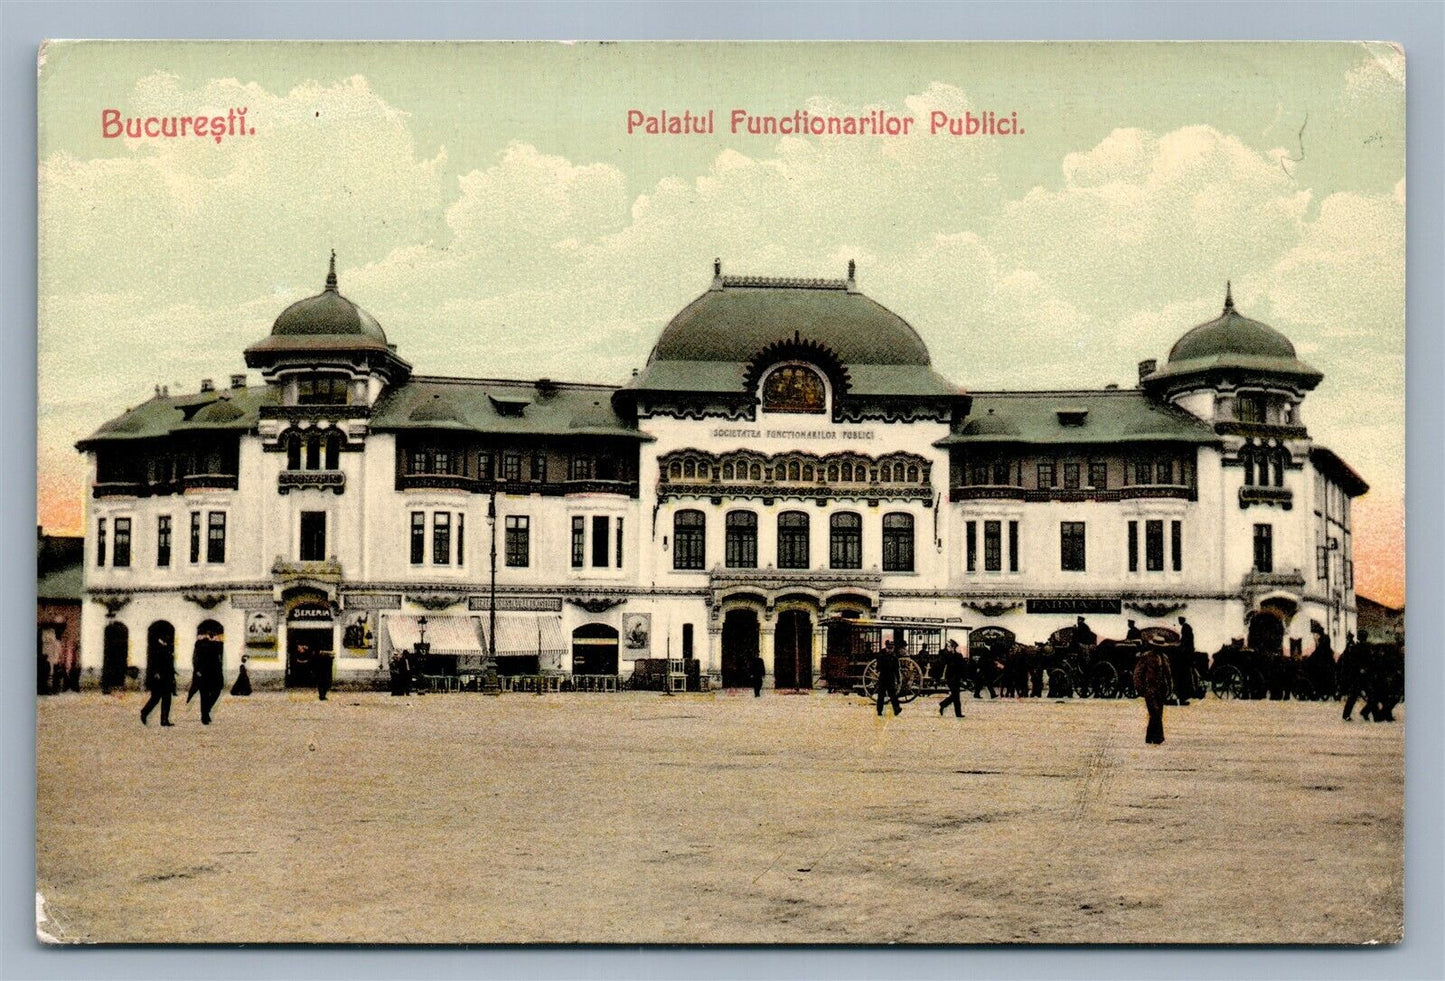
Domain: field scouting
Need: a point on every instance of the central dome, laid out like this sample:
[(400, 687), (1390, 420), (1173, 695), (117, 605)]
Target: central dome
[(1232, 333), (741, 315), (328, 313)]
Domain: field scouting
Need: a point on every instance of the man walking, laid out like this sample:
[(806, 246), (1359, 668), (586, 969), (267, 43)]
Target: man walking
[(206, 674), (323, 661), (953, 667), (161, 680), (1151, 680), (888, 668), (1351, 673), (757, 671), (1182, 663)]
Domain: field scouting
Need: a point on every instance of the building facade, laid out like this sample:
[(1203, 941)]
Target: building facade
[(787, 455)]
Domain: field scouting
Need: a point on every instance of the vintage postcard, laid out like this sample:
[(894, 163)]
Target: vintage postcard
[(712, 493)]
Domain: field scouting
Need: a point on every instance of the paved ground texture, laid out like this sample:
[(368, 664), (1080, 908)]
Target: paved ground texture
[(714, 818)]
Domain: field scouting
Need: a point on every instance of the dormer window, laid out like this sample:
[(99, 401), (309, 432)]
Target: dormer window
[(1072, 417), (323, 390)]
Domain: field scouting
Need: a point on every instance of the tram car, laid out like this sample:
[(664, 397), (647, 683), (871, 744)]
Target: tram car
[(851, 665)]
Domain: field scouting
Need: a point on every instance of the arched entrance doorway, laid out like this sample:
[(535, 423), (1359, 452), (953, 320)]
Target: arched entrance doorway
[(160, 636), (310, 627), (793, 650), (115, 656), (1266, 632), (594, 649), (739, 647)]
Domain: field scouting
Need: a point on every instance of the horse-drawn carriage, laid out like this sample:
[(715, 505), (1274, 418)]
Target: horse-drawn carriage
[(851, 661)]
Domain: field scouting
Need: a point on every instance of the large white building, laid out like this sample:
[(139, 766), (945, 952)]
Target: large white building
[(787, 454)]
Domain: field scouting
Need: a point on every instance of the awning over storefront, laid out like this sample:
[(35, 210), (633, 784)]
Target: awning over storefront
[(446, 635), (529, 633)]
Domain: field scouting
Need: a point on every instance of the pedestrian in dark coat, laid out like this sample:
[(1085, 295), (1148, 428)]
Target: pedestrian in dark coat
[(985, 670), (242, 687), (953, 669), (1134, 633), (1151, 680), (322, 666), (1182, 663), (161, 680), (758, 671), (207, 676), (1350, 676), (888, 668)]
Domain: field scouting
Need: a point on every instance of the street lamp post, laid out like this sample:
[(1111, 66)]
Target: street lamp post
[(492, 604)]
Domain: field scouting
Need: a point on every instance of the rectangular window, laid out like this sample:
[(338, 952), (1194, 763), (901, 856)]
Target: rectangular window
[(688, 540), (441, 462), (1071, 546), (1013, 546), (978, 474), (619, 543), (1250, 408), (216, 536), (441, 538), (1263, 548), (100, 542), (1133, 546), (1176, 543), (970, 537), (740, 540), (418, 537), (313, 536), (599, 541), (1164, 472), (415, 460), (1071, 476), (461, 540), (1046, 476), (322, 390), (519, 540), (992, 546), (1322, 561), (793, 540), (1154, 546), (686, 641), (163, 541), (484, 465), (1143, 472), (845, 541), (539, 467), (195, 537), (1000, 472), (512, 467), (580, 468), (1099, 475), (898, 542), (579, 541)]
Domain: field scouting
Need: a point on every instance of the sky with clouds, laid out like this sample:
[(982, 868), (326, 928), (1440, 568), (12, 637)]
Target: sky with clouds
[(489, 208)]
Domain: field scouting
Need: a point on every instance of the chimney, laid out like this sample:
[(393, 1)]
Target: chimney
[(1146, 368), (207, 385), (852, 276), (238, 381)]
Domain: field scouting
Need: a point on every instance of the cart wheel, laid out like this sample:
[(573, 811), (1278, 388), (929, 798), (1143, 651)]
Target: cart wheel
[(1104, 680), (870, 680), (1061, 683), (1228, 682), (1302, 689), (910, 679)]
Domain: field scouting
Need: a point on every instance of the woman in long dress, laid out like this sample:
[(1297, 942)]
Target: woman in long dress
[(243, 680)]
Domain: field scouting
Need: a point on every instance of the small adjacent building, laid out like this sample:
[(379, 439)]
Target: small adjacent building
[(787, 455), (59, 592)]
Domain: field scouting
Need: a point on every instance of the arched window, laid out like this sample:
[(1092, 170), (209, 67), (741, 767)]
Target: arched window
[(757, 471), (293, 452), (1279, 464), (795, 471), (793, 540), (794, 388), (741, 540), (898, 542), (333, 451), (674, 470), (912, 474), (833, 473), (689, 540), (313, 452), (727, 471), (845, 541), (808, 472), (848, 472), (1246, 456), (689, 469)]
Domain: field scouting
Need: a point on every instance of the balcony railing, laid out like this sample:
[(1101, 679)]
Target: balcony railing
[(328, 570), (119, 488), (1002, 492), (210, 481), (321, 411), (1260, 429), (438, 481), (480, 485), (332, 480), (1178, 492), (594, 486), (1268, 496), (988, 492)]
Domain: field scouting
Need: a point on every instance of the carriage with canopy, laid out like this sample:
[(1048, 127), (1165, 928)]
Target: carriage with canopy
[(851, 661)]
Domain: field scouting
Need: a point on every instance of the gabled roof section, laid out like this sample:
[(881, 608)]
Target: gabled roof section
[(503, 406), (1329, 463), (1076, 418)]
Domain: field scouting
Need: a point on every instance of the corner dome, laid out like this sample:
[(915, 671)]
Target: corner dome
[(1234, 345), (327, 313), (741, 315), (1231, 333)]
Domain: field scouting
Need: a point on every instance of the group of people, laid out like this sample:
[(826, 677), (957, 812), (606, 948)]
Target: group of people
[(207, 678)]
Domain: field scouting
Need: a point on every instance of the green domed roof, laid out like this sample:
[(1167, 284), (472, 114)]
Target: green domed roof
[(327, 313), (1231, 333), (1233, 344), (741, 315)]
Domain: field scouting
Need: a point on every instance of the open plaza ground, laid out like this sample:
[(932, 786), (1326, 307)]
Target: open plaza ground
[(715, 818)]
